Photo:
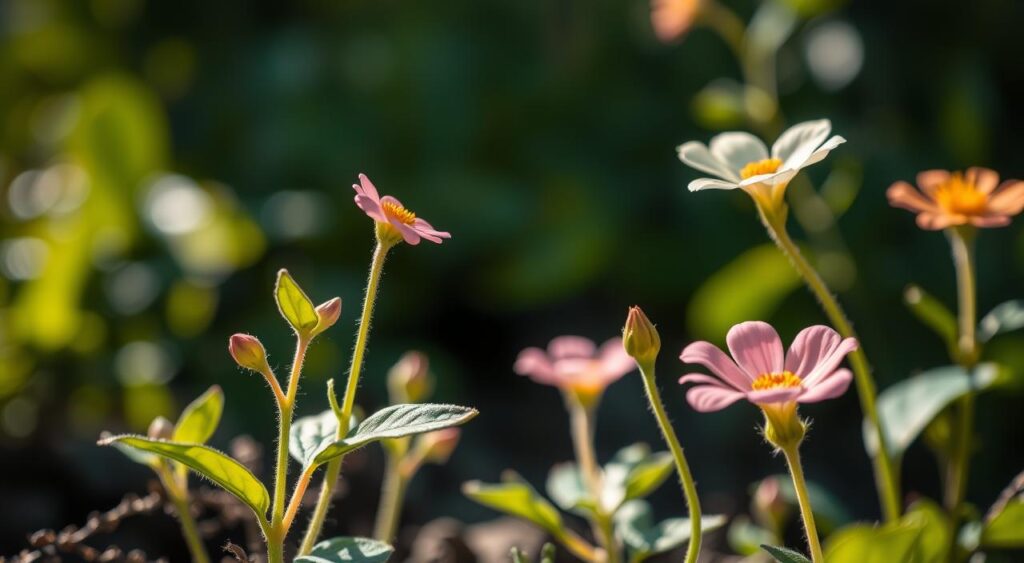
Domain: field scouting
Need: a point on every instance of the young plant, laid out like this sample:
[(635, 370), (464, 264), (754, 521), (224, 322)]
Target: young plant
[(323, 439), (609, 498)]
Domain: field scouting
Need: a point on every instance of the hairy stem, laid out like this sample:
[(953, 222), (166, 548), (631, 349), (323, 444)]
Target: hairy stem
[(885, 474), (285, 408), (682, 467), (323, 503), (792, 454)]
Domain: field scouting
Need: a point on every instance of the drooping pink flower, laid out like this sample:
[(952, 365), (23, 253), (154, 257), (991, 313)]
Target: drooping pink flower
[(574, 363), (760, 373), (389, 210), (949, 199)]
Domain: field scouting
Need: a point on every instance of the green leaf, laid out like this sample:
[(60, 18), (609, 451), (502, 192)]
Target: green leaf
[(348, 550), (200, 418), (635, 523), (516, 497), (728, 297), (906, 408), (933, 545), (1005, 317), (933, 314), (547, 553), (565, 486), (397, 421), (863, 542), (138, 456), (634, 472), (227, 473), (518, 556), (1006, 528), (746, 538), (785, 555), (312, 434), (294, 305)]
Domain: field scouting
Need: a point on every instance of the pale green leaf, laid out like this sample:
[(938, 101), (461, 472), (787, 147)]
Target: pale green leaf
[(935, 527), (294, 305), (397, 421), (1006, 528), (516, 497), (200, 418), (634, 472), (1005, 317), (138, 456), (565, 486), (218, 467), (348, 550), (785, 555), (862, 542), (635, 523), (312, 434)]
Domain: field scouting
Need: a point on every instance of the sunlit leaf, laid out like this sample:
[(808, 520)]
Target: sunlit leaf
[(906, 408), (218, 467), (311, 434), (785, 555), (1006, 528), (294, 305), (348, 550), (1005, 317), (516, 497), (138, 456), (645, 537), (862, 542), (935, 527), (397, 421), (200, 418)]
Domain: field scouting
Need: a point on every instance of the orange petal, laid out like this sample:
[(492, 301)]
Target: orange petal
[(1008, 198), (988, 221), (984, 179), (902, 194), (928, 180)]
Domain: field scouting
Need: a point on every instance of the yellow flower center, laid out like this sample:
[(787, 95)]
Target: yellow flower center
[(756, 168), (776, 380), (400, 213), (958, 196)]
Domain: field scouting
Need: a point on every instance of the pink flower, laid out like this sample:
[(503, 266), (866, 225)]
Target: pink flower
[(574, 363), (673, 18), (761, 375), (390, 211), (950, 199)]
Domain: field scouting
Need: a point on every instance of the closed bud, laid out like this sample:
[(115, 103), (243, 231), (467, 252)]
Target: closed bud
[(768, 505), (248, 353), (327, 314), (409, 380), (438, 446), (640, 338), (160, 429)]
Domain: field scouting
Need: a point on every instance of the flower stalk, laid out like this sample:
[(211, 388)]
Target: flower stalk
[(581, 419), (396, 480), (792, 453), (962, 242)]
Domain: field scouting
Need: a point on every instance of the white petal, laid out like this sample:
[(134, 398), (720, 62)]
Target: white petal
[(780, 177), (823, 151), (797, 143), (737, 149), (711, 184), (696, 155)]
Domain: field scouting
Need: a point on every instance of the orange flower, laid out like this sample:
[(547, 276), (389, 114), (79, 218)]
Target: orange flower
[(949, 199), (673, 18)]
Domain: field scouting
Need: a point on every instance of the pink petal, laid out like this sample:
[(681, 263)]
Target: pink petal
[(709, 356), (710, 398), (571, 347), (614, 360), (427, 231), (371, 207), (367, 187), (672, 18), (989, 221), (831, 387), (533, 362), (821, 350), (931, 179), (409, 234), (902, 194), (936, 221), (984, 179), (1008, 199), (777, 395), (756, 347)]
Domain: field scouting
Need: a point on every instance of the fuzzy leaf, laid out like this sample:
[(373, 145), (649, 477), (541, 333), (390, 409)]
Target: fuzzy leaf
[(635, 523), (634, 472), (785, 555), (394, 422), (138, 456), (1005, 317), (1006, 528), (200, 418), (906, 408), (348, 550), (516, 497), (311, 434), (294, 305), (218, 467)]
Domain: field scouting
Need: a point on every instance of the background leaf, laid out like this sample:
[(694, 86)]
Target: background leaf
[(1006, 528), (634, 472), (516, 497), (863, 542), (746, 537), (226, 472), (635, 523), (829, 513), (200, 418), (785, 555), (348, 550), (294, 305), (933, 546), (565, 486), (933, 314), (1004, 317)]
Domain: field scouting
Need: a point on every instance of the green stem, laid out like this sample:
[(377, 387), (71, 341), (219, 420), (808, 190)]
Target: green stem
[(581, 419), (392, 495), (962, 241), (682, 467), (275, 542), (792, 454), (348, 403), (885, 474), (179, 498)]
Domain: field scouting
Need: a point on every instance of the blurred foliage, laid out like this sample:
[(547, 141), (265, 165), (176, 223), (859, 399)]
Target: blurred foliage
[(159, 161)]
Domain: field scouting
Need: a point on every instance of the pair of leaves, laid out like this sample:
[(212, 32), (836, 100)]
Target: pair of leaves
[(906, 408), (644, 537), (634, 472), (348, 550)]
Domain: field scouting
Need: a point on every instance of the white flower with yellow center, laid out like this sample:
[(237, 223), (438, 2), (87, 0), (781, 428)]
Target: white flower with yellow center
[(741, 160)]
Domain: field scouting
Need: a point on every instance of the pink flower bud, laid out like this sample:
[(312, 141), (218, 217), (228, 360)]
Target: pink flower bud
[(769, 507), (328, 313), (160, 428), (438, 446), (248, 353), (409, 380), (640, 338)]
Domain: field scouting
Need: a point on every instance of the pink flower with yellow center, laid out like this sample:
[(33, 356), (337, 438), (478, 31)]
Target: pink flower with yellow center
[(389, 211), (760, 373), (671, 19), (950, 199), (576, 364)]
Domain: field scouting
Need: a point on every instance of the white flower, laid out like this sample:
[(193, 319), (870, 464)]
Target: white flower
[(741, 160)]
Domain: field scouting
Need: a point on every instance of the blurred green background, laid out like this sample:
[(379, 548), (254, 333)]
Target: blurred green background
[(159, 161)]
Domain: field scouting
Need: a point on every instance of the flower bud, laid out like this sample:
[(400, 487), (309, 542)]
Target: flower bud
[(768, 506), (327, 314), (409, 380), (640, 338), (160, 429), (438, 446), (248, 353)]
